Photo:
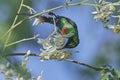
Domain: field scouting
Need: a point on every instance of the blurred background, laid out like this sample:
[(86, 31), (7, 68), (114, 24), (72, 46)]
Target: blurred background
[(97, 47)]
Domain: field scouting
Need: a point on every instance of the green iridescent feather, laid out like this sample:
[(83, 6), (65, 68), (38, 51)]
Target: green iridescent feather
[(73, 40)]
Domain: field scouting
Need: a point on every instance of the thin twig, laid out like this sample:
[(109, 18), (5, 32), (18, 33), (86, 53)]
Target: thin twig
[(29, 8), (47, 11), (14, 22), (20, 54), (13, 27), (22, 40), (89, 66), (69, 60)]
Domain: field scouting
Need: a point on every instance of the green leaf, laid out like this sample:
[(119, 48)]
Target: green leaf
[(109, 73)]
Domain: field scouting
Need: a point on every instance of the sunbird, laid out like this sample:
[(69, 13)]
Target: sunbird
[(66, 27)]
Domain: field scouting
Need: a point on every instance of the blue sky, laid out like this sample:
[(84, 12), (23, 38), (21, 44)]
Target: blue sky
[(91, 34)]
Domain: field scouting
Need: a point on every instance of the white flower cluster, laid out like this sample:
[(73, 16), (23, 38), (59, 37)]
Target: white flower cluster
[(104, 10), (52, 48), (23, 65), (11, 74), (40, 77), (115, 28), (8, 73), (26, 58)]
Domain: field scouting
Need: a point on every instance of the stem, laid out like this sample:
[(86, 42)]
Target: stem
[(20, 54), (44, 12), (12, 26), (69, 60), (89, 66), (29, 8), (59, 7), (22, 40), (85, 4)]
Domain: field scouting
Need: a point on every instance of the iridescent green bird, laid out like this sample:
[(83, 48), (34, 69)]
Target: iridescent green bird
[(67, 28)]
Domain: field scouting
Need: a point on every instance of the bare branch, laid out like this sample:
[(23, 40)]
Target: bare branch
[(69, 60), (83, 64), (22, 40)]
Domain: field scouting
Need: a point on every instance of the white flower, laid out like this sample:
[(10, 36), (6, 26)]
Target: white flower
[(9, 72), (19, 78), (115, 28), (52, 48), (36, 22), (52, 41), (44, 42), (104, 10), (26, 58), (40, 77), (2, 67), (28, 52), (103, 17), (53, 53), (110, 27)]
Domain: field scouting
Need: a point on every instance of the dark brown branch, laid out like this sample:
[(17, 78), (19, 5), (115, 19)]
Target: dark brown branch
[(69, 60), (89, 66), (19, 54)]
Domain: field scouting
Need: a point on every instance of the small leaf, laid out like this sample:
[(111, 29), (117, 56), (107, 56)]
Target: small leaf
[(109, 73)]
